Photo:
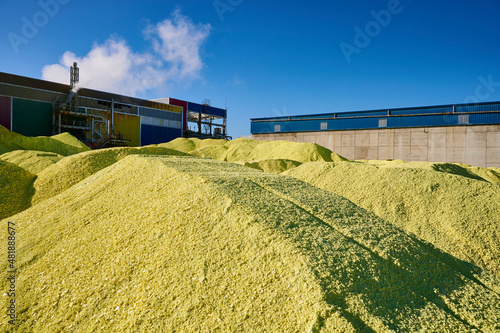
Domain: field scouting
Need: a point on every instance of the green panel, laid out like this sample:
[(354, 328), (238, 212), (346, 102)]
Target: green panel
[(31, 118)]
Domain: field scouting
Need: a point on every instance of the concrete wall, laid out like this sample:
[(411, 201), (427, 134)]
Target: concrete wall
[(474, 145)]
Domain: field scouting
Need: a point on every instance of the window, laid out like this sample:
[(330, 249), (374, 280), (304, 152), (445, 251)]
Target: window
[(108, 104), (277, 128), (382, 122), (463, 119), (324, 125)]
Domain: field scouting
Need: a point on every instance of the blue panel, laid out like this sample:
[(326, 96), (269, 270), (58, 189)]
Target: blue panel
[(218, 112), (413, 111), (195, 107), (441, 115), (478, 107), (156, 134), (373, 122)]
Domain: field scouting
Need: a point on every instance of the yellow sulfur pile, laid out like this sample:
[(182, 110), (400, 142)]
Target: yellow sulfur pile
[(30, 160), (175, 238), (491, 174), (247, 150), (168, 243), (16, 189), (63, 144), (72, 169), (456, 213)]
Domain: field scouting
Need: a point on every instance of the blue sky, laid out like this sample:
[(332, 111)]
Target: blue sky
[(263, 58)]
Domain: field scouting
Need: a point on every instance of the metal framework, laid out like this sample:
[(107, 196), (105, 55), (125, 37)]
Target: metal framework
[(202, 124)]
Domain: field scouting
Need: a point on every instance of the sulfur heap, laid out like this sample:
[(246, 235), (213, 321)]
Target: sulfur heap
[(163, 239), (31, 160), (249, 150), (453, 209), (63, 144)]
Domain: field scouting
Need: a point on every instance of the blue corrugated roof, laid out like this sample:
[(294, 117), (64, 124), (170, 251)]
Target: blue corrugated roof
[(442, 115)]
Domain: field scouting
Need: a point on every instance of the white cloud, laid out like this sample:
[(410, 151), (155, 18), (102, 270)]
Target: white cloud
[(178, 42), (114, 67)]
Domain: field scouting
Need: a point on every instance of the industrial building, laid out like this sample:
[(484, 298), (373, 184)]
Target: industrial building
[(461, 133), (35, 107)]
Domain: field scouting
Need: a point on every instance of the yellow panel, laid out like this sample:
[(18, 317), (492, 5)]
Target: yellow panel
[(130, 127), (163, 106)]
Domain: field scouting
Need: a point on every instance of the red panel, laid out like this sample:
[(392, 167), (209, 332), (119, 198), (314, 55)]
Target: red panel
[(184, 105), (5, 112)]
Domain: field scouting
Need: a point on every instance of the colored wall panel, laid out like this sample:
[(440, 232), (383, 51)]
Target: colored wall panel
[(311, 125), (195, 107), (184, 106), (5, 112), (156, 134), (31, 118), (130, 127), (155, 113), (161, 122)]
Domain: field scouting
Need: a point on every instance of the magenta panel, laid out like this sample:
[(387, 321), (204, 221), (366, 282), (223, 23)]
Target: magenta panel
[(178, 102), (5, 112)]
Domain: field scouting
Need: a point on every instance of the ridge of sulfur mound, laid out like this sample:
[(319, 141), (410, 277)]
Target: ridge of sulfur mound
[(248, 150), (491, 175), (273, 166), (63, 144), (457, 214), (184, 145), (30, 160), (216, 152), (70, 140), (212, 246), (73, 169)]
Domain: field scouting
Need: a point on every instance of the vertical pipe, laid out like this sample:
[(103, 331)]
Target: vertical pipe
[(11, 113), (199, 122), (54, 117), (224, 121), (112, 116), (211, 133)]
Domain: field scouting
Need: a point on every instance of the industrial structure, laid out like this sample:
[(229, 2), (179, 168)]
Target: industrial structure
[(35, 107), (461, 133)]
